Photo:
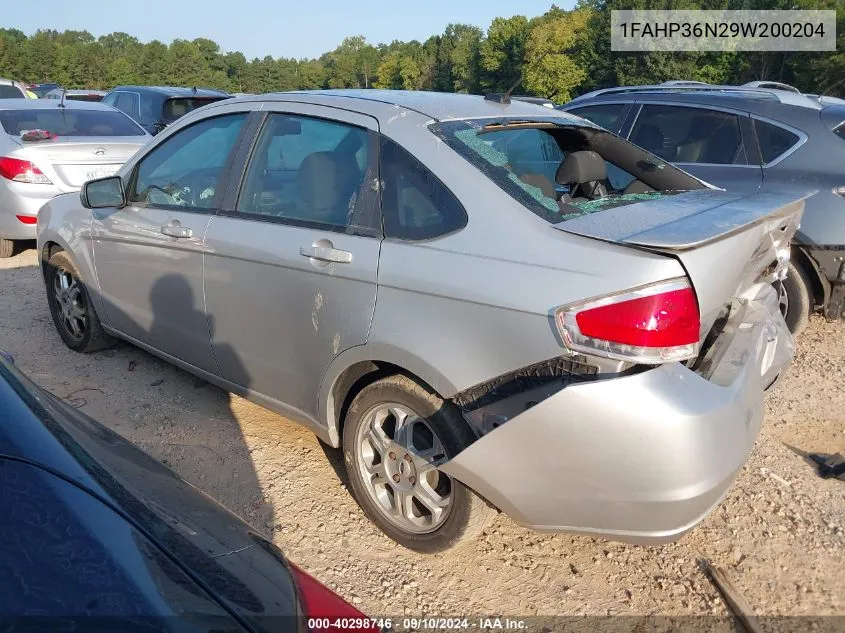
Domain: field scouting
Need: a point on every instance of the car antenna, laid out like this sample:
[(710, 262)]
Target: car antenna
[(505, 97), (62, 102)]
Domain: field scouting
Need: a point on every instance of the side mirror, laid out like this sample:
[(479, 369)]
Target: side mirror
[(103, 193)]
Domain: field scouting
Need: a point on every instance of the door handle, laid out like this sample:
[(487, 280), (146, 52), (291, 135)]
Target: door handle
[(176, 230), (326, 254)]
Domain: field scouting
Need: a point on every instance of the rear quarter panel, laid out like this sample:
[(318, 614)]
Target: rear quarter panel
[(464, 308)]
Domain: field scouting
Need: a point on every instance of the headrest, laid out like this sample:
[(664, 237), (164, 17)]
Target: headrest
[(583, 166), (649, 137), (318, 180)]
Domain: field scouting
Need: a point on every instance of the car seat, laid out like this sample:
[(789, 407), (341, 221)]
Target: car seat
[(585, 172), (325, 184)]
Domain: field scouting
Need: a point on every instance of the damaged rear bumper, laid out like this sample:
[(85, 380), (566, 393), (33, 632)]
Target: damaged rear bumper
[(641, 458)]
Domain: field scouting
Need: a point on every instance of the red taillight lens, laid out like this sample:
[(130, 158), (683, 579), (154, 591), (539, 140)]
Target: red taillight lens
[(318, 601), (22, 171), (27, 219), (654, 324), (663, 320)]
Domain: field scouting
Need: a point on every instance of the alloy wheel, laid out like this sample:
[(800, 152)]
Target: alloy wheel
[(398, 456), (70, 303)]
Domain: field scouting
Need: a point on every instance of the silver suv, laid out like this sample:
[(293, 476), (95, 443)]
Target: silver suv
[(762, 136)]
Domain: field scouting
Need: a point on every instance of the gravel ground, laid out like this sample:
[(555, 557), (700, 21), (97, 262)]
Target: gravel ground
[(780, 533)]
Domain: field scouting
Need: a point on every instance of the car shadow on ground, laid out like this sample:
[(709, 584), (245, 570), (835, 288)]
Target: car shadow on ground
[(179, 419)]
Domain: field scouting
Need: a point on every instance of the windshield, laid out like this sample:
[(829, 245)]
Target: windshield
[(559, 170), (66, 122), (175, 108), (10, 92)]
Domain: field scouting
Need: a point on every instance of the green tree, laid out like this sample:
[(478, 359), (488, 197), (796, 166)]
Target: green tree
[(552, 70), (465, 57), (503, 52)]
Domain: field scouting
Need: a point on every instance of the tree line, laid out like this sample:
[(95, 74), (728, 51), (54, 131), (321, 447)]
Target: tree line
[(557, 55)]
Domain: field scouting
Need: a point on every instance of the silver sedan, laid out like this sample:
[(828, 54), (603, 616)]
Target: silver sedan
[(47, 149), (487, 305)]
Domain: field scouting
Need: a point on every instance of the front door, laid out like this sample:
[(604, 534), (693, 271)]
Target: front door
[(290, 272), (149, 254)]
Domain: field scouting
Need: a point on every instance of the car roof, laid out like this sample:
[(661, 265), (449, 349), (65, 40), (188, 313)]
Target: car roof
[(175, 91), (436, 105), (728, 96), (50, 104)]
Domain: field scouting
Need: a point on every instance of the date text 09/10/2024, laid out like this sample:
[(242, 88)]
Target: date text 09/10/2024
[(416, 624)]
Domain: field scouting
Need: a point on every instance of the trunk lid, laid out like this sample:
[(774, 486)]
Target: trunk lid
[(71, 161), (728, 243)]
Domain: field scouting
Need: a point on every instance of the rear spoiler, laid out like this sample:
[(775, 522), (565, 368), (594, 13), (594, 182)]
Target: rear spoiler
[(833, 116), (683, 221)]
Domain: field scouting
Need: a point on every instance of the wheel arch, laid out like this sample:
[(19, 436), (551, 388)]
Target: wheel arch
[(820, 284), (358, 367)]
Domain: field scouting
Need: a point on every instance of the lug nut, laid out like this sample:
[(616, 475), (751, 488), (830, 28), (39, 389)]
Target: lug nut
[(396, 478), (391, 455), (412, 480), (407, 457)]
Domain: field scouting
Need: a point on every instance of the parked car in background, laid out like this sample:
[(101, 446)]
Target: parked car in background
[(521, 334), (100, 536), (76, 95), (763, 136), (10, 89), (156, 107), (41, 89), (46, 150)]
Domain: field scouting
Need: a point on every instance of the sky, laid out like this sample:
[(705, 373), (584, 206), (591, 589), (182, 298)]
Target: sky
[(257, 28)]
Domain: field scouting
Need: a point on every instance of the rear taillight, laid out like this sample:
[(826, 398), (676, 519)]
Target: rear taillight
[(22, 171), (27, 219), (654, 324), (321, 603)]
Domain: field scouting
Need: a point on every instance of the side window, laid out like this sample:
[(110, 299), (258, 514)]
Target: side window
[(774, 140), (415, 204), (307, 170), (680, 134), (127, 103), (186, 170), (606, 115)]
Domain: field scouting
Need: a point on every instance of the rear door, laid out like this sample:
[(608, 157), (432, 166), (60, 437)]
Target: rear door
[(149, 254), (713, 144), (291, 262)]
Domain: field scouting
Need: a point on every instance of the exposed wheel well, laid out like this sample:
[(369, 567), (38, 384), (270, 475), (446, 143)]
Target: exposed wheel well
[(818, 290), (50, 249), (352, 380)]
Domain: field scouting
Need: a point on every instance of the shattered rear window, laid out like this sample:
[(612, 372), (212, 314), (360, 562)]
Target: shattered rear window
[(523, 157)]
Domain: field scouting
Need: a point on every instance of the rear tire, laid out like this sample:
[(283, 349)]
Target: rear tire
[(70, 306), (7, 248), (797, 303), (392, 465)]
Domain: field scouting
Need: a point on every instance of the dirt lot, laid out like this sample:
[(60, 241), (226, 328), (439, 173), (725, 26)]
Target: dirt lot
[(780, 533)]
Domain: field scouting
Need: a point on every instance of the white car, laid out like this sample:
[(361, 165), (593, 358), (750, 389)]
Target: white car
[(47, 149)]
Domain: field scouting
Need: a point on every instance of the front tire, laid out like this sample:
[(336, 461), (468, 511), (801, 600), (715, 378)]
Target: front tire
[(71, 308), (395, 435), (796, 300)]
